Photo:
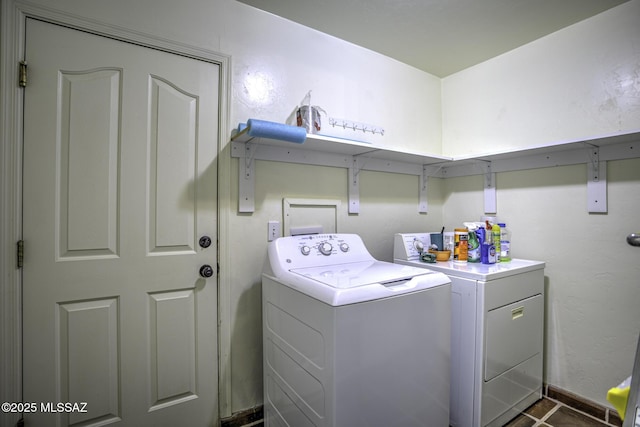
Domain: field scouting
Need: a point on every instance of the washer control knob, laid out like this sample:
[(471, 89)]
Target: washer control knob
[(344, 247), (325, 248), (418, 245), (305, 250)]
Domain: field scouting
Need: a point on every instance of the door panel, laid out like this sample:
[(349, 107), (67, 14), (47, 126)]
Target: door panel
[(87, 332), (88, 141), (173, 355), (120, 146), (173, 147)]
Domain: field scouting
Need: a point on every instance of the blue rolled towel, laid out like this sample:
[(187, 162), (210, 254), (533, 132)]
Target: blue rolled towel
[(273, 130)]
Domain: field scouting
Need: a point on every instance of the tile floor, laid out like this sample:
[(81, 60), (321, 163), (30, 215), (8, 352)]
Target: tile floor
[(547, 412), (552, 413)]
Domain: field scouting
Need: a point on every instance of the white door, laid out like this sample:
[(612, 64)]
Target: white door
[(120, 146)]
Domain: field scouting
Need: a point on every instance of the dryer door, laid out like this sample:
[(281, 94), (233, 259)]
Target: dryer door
[(513, 334)]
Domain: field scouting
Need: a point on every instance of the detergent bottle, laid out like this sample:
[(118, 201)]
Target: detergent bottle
[(495, 232), (505, 243), (461, 245)]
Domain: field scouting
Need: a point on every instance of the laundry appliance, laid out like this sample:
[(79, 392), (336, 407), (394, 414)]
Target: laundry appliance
[(496, 333), (350, 340)]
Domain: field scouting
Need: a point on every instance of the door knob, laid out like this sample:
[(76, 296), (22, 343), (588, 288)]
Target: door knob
[(206, 271), (633, 239), (205, 242)]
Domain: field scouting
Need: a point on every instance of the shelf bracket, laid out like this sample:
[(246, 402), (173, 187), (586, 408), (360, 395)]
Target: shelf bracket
[(490, 205), (423, 205), (354, 186), (596, 182), (246, 180), (427, 171)]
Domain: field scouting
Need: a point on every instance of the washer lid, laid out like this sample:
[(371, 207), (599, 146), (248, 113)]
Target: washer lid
[(338, 270), (351, 283), (351, 275)]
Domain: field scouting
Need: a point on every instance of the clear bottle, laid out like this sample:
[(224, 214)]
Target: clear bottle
[(448, 242), (505, 243), (495, 233)]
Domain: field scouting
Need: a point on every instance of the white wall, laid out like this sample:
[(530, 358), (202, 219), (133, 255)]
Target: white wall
[(347, 81), (355, 83), (578, 83)]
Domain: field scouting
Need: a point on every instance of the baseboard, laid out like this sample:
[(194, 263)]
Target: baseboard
[(582, 404), (608, 415), (244, 417)]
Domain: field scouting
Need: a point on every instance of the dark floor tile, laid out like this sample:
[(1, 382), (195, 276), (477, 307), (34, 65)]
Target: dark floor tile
[(541, 408), (614, 418), (521, 421), (567, 417), (577, 402), (245, 417)]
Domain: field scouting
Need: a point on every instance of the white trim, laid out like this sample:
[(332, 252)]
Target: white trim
[(224, 239), (13, 17), (288, 205), (11, 51)]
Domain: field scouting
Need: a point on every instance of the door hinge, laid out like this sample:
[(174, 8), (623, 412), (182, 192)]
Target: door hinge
[(22, 78), (20, 253)]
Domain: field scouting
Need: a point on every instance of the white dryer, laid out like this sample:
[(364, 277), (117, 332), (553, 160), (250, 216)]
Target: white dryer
[(496, 334), (352, 341)]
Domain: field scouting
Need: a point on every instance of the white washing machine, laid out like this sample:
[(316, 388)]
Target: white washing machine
[(497, 332), (352, 341)]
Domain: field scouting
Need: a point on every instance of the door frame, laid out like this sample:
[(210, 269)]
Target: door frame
[(13, 15)]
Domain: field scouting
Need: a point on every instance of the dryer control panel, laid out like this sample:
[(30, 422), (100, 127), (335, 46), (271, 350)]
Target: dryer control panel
[(408, 246)]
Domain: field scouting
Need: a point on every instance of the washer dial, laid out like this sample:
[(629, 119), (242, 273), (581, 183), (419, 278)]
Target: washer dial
[(325, 248)]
